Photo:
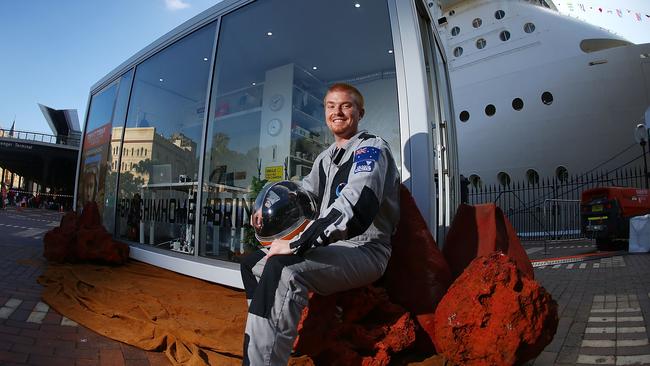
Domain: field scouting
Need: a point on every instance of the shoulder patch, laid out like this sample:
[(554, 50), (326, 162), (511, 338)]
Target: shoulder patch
[(365, 158), (367, 153)]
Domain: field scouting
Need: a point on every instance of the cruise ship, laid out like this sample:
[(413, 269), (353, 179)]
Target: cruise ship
[(537, 93)]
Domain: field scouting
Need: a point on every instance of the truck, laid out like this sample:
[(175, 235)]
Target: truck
[(605, 214)]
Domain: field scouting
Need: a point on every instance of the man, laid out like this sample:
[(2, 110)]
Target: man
[(3, 195), (356, 185)]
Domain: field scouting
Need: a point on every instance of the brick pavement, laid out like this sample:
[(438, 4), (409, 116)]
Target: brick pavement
[(32, 333), (604, 311)]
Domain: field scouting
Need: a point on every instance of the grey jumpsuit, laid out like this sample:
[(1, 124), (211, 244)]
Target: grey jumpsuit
[(348, 246)]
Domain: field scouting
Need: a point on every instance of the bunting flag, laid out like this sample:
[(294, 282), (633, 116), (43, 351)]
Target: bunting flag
[(619, 13), (638, 17)]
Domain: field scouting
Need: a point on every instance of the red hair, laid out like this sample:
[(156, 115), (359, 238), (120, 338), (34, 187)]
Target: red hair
[(349, 89)]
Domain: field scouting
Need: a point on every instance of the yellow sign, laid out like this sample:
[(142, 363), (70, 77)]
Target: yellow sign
[(274, 173)]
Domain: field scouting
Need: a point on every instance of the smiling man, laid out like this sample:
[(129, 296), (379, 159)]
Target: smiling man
[(355, 183)]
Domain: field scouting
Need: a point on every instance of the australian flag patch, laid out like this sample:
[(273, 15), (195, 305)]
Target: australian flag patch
[(365, 158)]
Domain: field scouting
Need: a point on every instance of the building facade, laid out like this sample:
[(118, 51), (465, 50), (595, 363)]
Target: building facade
[(179, 139)]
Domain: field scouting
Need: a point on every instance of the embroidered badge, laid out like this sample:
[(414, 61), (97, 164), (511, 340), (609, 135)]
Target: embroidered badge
[(364, 166)]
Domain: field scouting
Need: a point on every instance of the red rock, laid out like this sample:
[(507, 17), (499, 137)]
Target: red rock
[(494, 315), (417, 275), (90, 216), (355, 327), (83, 238), (478, 231)]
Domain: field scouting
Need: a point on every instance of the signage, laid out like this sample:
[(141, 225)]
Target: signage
[(274, 173)]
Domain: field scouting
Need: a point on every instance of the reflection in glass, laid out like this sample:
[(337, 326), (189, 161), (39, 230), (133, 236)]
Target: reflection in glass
[(159, 155), (266, 117)]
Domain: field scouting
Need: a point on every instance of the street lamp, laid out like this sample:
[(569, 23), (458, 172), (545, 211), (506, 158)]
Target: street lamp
[(641, 136)]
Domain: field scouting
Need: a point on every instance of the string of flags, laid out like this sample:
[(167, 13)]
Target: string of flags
[(638, 16)]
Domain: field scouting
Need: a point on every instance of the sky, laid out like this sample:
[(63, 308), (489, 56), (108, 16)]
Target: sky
[(53, 51), (629, 19)]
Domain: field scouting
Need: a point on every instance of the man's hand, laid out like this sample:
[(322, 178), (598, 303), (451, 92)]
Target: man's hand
[(279, 247)]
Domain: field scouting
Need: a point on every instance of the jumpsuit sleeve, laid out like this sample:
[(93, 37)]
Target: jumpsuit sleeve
[(312, 181), (358, 201)]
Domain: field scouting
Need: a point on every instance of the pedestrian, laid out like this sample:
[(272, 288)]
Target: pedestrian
[(464, 189), (355, 183), (3, 190)]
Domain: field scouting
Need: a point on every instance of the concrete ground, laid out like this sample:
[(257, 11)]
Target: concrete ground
[(604, 306)]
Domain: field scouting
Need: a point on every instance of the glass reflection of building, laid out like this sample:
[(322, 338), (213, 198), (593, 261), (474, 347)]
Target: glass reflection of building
[(192, 126)]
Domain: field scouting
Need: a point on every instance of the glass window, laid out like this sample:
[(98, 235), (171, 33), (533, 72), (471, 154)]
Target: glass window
[(157, 196), (458, 51), (504, 179), (517, 104), (475, 181), (455, 31), (464, 116), (504, 35), (547, 98), (266, 116), (477, 22), (499, 14), (480, 43), (532, 176), (97, 137), (97, 174), (529, 27), (490, 110), (562, 173)]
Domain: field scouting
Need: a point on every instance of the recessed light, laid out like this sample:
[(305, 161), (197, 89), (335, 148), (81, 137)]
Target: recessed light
[(357, 5), (161, 80), (205, 59), (390, 51), (254, 84), (269, 34), (314, 68)]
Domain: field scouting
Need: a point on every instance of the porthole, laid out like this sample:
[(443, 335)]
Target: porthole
[(490, 110), (455, 31), (517, 104), (532, 177), (475, 181), (504, 179), (452, 12), (477, 22), (504, 35), (480, 43), (464, 116), (458, 51), (562, 173), (529, 27), (499, 14), (547, 98)]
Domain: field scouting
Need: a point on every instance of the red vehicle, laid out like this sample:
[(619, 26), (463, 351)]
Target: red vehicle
[(605, 214)]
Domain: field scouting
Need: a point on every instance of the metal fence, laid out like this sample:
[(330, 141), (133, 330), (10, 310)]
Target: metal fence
[(40, 137), (550, 208)]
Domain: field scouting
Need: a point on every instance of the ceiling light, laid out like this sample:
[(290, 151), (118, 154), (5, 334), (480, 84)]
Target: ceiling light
[(205, 59), (269, 34), (357, 5), (254, 84), (161, 80), (314, 68), (390, 51)]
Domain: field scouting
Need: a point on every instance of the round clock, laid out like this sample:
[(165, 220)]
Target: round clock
[(274, 126), (276, 103)]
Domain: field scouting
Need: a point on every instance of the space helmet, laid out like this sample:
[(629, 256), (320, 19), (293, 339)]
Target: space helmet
[(282, 210)]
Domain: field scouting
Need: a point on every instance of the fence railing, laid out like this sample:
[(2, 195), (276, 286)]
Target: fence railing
[(550, 208), (40, 137)]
